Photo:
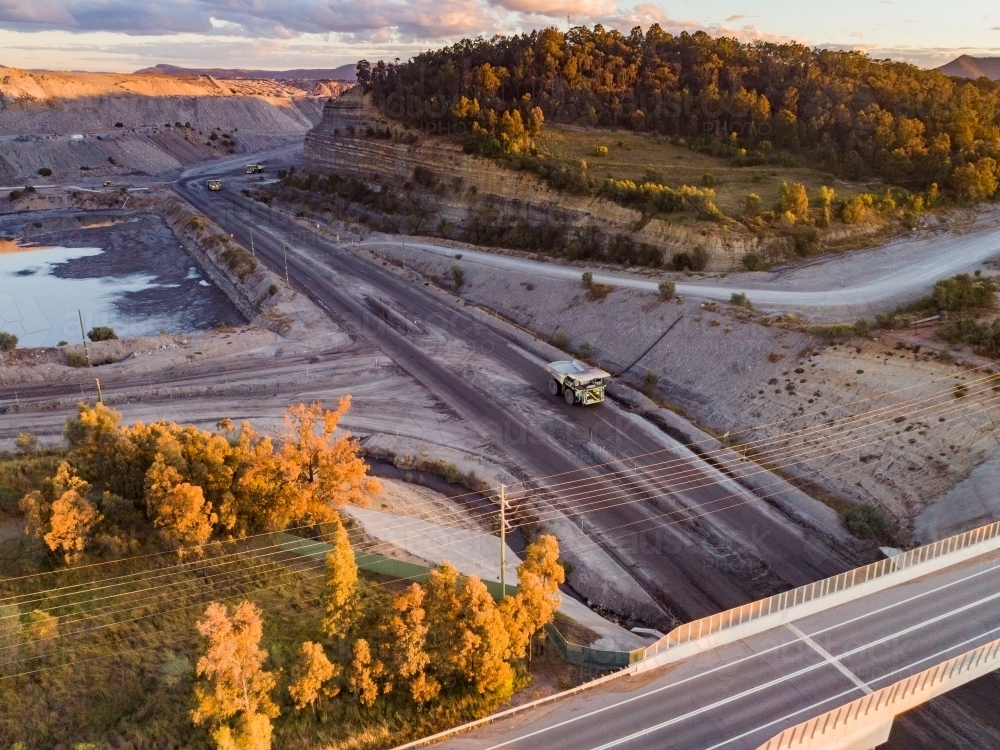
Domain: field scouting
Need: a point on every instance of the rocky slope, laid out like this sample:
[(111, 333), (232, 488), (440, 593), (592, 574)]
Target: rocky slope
[(351, 140), (66, 121)]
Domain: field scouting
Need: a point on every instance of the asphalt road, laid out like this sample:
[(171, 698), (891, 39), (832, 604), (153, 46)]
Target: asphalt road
[(743, 551), (741, 695)]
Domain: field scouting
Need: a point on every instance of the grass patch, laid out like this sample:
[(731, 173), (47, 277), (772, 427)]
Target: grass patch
[(635, 155), (868, 522)]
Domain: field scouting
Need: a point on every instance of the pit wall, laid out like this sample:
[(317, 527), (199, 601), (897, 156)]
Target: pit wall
[(467, 185)]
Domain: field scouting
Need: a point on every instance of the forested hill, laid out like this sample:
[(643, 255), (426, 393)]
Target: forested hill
[(841, 110)]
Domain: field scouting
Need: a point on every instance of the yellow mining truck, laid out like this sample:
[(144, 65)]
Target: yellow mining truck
[(578, 382), (255, 168), (214, 185)]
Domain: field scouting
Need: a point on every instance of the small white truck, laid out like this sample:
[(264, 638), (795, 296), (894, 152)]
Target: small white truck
[(578, 382)]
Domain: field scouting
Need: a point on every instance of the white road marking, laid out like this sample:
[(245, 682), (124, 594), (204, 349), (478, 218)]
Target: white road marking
[(836, 663), (663, 688), (745, 693), (818, 704)]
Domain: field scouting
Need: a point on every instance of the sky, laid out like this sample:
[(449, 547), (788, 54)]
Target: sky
[(125, 35)]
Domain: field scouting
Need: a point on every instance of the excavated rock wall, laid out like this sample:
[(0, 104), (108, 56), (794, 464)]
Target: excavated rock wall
[(350, 140)]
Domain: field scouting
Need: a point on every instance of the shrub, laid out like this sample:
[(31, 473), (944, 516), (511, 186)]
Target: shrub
[(699, 259), (753, 262), (739, 299), (587, 280), (272, 290), (793, 199), (585, 350), (649, 380), (599, 291), (858, 208), (14, 195), (751, 206), (102, 333), (75, 359), (600, 150), (560, 340), (119, 125), (457, 277), (45, 172), (775, 357), (863, 326), (8, 342), (26, 442), (667, 290), (867, 522), (680, 261), (963, 293)]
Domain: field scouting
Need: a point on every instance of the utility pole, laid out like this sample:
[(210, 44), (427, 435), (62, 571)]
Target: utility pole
[(254, 254), (284, 249), (503, 542), (100, 396), (84, 337)]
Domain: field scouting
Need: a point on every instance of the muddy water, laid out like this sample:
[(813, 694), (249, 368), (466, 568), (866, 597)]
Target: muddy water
[(131, 276)]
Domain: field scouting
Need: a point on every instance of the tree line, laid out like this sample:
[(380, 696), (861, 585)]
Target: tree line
[(416, 649), (841, 110), (182, 487)]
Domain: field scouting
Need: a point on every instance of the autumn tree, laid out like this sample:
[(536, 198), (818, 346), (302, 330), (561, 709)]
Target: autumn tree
[(467, 638), (793, 199), (538, 597), (312, 670), (61, 515), (406, 635), (92, 438), (342, 602), (364, 674), (233, 685), (977, 181), (325, 466), (176, 507)]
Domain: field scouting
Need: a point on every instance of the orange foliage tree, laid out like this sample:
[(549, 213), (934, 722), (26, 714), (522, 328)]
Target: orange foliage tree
[(233, 686)]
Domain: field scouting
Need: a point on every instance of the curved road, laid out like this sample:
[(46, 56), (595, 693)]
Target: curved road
[(941, 257)]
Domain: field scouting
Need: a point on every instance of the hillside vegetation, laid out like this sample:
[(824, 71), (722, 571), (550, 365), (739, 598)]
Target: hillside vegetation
[(852, 115)]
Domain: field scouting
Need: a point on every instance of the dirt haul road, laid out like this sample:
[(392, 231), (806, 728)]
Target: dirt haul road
[(839, 288), (735, 549)]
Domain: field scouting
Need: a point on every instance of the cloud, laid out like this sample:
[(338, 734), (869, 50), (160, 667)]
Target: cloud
[(733, 19)]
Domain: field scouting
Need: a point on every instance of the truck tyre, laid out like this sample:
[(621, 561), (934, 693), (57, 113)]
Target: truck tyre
[(554, 387), (569, 396)]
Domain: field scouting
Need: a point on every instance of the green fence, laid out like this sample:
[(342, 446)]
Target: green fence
[(591, 658), (579, 656)]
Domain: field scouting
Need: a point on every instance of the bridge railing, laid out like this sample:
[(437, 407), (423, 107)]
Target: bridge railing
[(708, 626), (843, 726)]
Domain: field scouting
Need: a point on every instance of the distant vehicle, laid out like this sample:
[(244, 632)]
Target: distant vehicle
[(109, 183), (578, 382), (215, 185), (255, 168), (77, 137)]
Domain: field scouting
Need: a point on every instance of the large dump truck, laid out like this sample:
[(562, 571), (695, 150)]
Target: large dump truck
[(578, 382), (255, 168), (214, 185)]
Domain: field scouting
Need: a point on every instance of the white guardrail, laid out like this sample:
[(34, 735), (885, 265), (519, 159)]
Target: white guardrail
[(764, 614), (867, 722)]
